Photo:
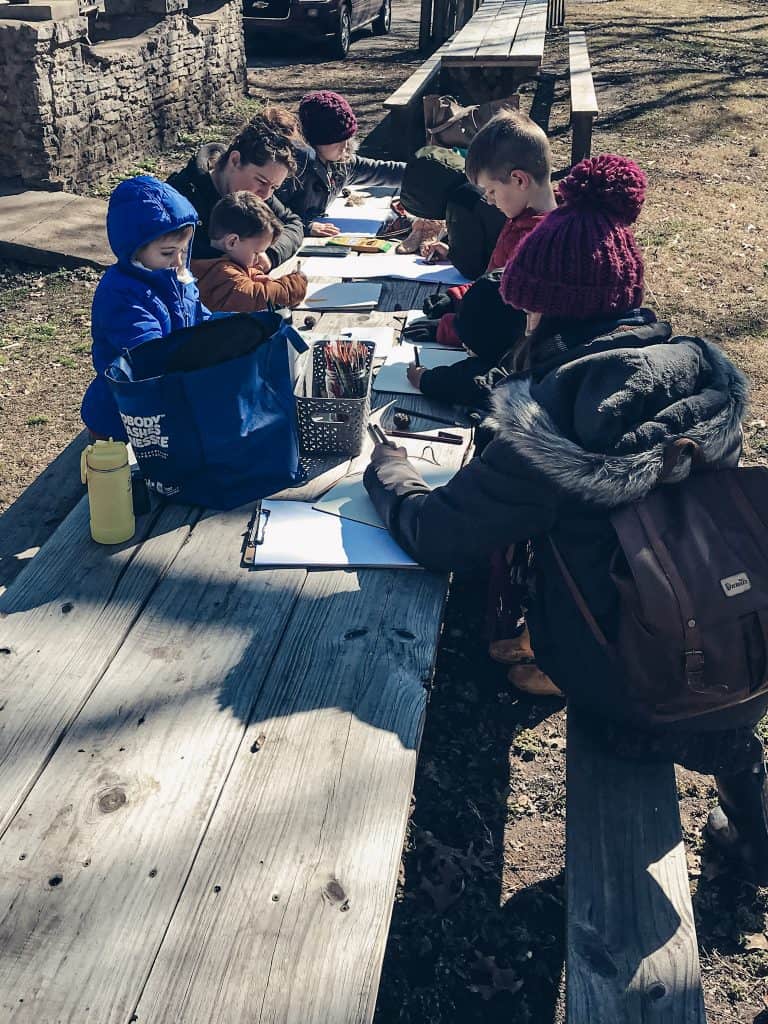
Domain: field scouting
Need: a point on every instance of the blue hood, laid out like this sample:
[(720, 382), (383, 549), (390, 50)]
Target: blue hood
[(142, 209)]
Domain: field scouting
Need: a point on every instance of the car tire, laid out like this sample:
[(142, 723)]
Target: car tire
[(340, 43), (383, 22)]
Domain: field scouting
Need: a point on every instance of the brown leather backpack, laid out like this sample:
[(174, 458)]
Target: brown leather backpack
[(448, 123), (691, 571)]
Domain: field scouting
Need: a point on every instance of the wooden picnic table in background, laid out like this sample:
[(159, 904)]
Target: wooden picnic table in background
[(206, 770)]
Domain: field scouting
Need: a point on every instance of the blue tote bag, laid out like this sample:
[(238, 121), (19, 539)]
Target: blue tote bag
[(220, 435)]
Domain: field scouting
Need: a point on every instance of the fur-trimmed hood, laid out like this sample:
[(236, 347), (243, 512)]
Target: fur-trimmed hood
[(598, 425)]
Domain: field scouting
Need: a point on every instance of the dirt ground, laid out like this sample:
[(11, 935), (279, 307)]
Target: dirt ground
[(478, 928)]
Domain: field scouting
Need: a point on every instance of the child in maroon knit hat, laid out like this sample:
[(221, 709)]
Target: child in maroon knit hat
[(605, 395), (582, 262), (329, 162)]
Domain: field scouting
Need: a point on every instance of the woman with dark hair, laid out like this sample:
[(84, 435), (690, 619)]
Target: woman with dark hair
[(258, 160), (599, 393)]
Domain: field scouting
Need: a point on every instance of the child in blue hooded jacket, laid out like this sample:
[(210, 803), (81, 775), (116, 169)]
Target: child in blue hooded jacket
[(148, 293)]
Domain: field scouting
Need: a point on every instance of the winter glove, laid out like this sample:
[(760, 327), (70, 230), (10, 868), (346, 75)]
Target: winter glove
[(436, 305), (420, 332)]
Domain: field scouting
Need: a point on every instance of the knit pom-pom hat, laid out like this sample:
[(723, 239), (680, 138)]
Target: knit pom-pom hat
[(326, 117), (582, 260)]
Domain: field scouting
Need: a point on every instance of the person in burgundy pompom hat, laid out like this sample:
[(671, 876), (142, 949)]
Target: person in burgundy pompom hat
[(600, 391), (329, 161)]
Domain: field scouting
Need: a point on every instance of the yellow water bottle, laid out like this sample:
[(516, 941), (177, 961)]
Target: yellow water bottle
[(104, 467)]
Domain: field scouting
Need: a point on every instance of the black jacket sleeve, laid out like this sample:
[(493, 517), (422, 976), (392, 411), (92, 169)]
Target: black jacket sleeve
[(494, 501), (466, 244), (292, 235), (456, 384), (363, 171)]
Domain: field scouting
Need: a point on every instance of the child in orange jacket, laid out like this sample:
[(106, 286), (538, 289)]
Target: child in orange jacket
[(241, 227)]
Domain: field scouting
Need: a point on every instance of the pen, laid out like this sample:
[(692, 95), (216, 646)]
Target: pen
[(379, 437), (416, 359), (441, 438)]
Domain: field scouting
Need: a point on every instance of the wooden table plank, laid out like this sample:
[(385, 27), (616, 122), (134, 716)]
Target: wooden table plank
[(499, 41), (118, 814), (632, 953), (528, 47), (286, 912), (463, 49), (61, 622)]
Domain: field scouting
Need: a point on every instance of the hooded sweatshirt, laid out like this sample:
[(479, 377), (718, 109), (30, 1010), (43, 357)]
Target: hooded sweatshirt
[(133, 304), (582, 434), (195, 183)]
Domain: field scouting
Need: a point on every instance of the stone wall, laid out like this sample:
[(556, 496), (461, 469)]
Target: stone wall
[(78, 111)]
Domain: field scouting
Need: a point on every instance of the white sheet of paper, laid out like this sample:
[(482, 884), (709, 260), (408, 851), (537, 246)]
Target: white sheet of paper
[(392, 375), (388, 264), (349, 498), (351, 224), (382, 337), (358, 295), (297, 534), (373, 207)]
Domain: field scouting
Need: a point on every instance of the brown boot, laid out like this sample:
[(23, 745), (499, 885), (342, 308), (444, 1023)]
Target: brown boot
[(422, 231), (512, 650), (528, 678)]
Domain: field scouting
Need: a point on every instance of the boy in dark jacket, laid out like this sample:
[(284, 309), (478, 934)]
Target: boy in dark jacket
[(329, 163), (258, 161), (147, 294), (602, 391), (510, 161)]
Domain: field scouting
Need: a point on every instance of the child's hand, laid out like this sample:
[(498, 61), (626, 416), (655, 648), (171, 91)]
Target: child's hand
[(318, 230), (263, 262), (414, 374), (434, 252)]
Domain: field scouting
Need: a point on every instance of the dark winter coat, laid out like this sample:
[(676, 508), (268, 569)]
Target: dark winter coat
[(473, 228), (490, 329), (132, 304), (582, 434), (195, 182), (315, 184)]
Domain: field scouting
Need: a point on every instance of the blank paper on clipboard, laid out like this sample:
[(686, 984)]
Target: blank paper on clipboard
[(296, 534)]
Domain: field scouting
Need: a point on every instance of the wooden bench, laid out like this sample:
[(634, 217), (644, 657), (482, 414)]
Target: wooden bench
[(632, 955), (583, 100), (405, 106)]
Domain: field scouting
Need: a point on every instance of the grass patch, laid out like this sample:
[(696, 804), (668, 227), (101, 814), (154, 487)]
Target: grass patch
[(37, 421)]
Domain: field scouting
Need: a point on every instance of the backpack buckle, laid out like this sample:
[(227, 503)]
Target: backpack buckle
[(694, 669)]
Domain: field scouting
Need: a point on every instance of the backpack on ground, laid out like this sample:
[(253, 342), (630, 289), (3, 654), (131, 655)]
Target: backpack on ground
[(691, 571)]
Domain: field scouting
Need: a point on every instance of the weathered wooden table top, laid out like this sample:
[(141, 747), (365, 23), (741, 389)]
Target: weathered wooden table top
[(500, 32), (205, 773)]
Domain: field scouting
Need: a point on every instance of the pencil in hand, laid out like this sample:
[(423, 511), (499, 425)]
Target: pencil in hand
[(416, 360)]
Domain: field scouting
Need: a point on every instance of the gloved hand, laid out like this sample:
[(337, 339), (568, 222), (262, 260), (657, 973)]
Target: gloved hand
[(436, 306), (421, 332)]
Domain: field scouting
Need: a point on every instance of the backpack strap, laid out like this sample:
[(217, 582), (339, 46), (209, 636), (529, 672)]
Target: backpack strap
[(694, 645), (578, 597), (674, 452)]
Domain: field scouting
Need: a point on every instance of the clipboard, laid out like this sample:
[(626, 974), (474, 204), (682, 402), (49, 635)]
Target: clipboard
[(291, 534)]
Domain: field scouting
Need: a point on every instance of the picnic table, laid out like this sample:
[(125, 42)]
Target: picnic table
[(206, 770)]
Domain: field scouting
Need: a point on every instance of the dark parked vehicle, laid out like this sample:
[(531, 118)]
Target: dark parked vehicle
[(334, 20)]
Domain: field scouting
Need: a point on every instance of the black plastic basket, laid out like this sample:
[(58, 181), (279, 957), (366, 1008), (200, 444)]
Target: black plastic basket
[(330, 426)]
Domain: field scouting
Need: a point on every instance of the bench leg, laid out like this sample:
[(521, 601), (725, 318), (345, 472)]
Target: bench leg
[(581, 145)]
